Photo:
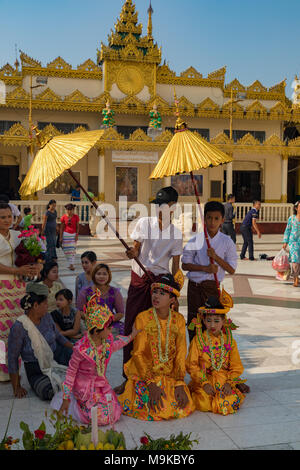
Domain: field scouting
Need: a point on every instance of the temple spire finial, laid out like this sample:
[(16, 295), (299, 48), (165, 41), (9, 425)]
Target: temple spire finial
[(149, 30)]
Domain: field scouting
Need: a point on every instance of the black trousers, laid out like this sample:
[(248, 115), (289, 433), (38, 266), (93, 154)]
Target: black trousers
[(228, 229), (248, 241)]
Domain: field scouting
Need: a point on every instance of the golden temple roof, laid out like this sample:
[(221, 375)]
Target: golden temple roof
[(127, 42)]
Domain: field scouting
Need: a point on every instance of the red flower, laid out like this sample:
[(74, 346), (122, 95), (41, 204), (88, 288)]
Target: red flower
[(144, 440), (39, 434)]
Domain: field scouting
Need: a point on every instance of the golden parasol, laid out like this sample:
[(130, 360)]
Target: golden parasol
[(59, 154), (188, 152)]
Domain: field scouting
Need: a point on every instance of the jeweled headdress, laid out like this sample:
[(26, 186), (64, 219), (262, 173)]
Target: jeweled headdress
[(96, 315), (222, 307)]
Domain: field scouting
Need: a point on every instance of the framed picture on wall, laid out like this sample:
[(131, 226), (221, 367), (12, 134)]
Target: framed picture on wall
[(63, 184), (184, 186), (127, 183)]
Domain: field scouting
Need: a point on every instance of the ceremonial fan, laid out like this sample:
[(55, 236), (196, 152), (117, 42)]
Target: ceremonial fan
[(188, 152), (57, 155)]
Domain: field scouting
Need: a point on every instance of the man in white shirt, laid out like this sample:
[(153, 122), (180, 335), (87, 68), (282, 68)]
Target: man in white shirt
[(156, 242), (196, 260)]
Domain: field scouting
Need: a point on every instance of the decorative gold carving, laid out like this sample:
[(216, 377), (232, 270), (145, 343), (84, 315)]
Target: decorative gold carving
[(238, 110), (218, 74), (17, 135), (221, 139), (111, 134), (89, 66), (139, 136), (208, 108), (130, 80), (162, 105), (77, 97), (186, 106), (130, 105), (27, 61), (256, 111), (273, 141), (191, 72), (10, 76), (48, 95), (165, 136), (257, 91), (59, 63), (248, 139)]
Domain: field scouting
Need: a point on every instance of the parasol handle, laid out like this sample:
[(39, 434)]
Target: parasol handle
[(204, 226), (98, 209)]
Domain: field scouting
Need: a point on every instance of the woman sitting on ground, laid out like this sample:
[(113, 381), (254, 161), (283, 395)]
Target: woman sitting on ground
[(49, 275), (111, 296), (88, 262), (36, 339)]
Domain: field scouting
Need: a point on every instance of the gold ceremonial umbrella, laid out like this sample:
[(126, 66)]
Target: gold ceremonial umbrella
[(55, 156), (59, 154), (188, 152)]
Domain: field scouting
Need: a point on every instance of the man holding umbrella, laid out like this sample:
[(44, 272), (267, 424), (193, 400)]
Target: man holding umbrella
[(156, 242)]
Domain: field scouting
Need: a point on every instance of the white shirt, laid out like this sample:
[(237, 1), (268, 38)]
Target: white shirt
[(157, 247), (195, 252), (7, 252)]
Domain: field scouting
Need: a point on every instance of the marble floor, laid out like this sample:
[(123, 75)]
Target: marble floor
[(268, 337)]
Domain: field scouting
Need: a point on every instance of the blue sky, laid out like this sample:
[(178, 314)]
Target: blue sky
[(257, 39)]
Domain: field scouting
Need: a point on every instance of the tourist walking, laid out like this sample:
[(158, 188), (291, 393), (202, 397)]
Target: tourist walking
[(291, 241), (49, 229), (248, 225), (69, 230)]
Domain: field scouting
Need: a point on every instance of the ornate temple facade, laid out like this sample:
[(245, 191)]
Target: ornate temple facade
[(128, 73)]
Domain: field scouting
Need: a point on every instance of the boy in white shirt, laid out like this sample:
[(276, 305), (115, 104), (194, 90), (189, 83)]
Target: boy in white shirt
[(196, 260), (156, 242)]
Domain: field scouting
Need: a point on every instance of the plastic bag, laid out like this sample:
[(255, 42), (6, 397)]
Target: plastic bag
[(281, 261), (284, 276)]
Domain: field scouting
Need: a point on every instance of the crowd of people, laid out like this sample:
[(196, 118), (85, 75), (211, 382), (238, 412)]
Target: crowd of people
[(66, 344)]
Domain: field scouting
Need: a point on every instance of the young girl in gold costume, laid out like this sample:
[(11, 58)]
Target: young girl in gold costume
[(155, 389), (213, 361)]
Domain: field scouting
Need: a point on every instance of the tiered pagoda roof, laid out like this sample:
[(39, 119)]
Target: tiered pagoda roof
[(127, 42)]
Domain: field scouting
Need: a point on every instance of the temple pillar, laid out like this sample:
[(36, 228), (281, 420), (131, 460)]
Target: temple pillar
[(101, 175), (229, 179), (284, 177)]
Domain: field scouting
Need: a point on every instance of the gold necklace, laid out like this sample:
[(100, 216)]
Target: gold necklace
[(212, 357), (100, 365), (161, 358)]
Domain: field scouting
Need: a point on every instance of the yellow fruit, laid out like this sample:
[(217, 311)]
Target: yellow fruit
[(108, 446), (91, 446), (61, 447), (69, 445), (100, 446), (83, 448), (120, 448)]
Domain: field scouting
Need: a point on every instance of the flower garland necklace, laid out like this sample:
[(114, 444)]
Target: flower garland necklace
[(100, 365), (166, 357), (211, 353)]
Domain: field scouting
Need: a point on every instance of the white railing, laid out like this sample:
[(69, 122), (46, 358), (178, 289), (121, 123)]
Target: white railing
[(269, 213)]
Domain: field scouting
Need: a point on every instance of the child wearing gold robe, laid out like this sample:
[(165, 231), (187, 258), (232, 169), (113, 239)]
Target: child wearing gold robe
[(213, 361), (155, 389)]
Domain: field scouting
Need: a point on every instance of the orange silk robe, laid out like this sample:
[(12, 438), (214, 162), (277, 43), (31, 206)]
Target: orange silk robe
[(199, 366), (145, 367)]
